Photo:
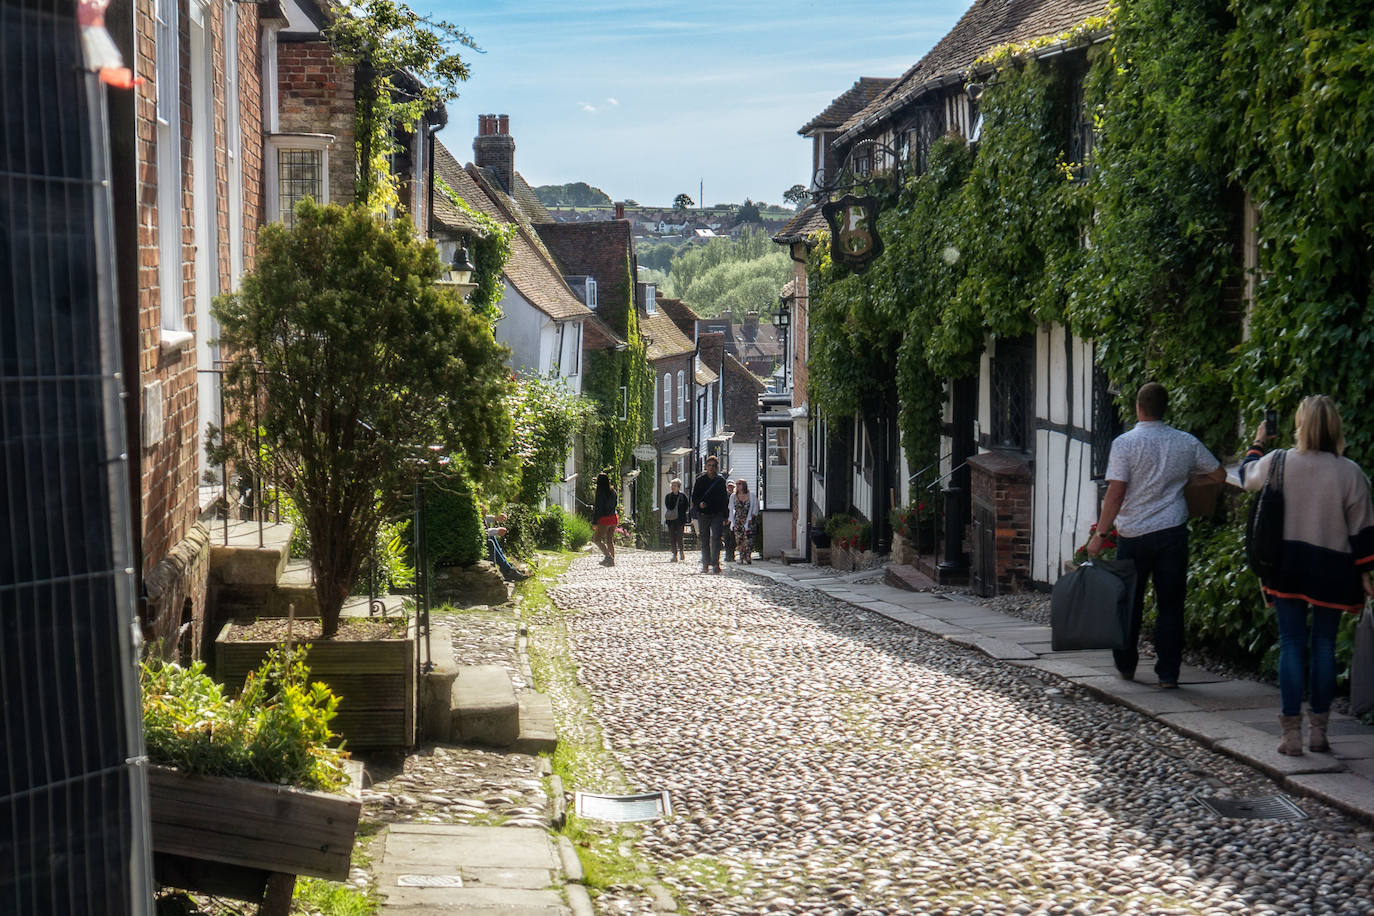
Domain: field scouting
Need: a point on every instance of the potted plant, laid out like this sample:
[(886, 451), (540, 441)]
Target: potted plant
[(247, 793)]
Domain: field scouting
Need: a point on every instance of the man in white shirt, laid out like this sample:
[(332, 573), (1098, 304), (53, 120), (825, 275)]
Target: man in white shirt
[(1148, 468)]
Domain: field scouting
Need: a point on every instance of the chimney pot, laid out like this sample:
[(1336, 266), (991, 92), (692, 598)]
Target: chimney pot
[(494, 149), (620, 209), (503, 124)]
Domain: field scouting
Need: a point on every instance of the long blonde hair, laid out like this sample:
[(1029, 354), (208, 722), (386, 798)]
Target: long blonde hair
[(1318, 426)]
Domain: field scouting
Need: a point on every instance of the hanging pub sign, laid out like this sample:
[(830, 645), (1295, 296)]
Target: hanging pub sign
[(853, 222)]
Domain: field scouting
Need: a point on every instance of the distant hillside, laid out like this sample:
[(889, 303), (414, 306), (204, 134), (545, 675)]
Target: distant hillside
[(576, 194)]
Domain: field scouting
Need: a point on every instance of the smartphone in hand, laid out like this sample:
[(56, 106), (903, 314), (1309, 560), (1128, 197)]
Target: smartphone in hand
[(1271, 424)]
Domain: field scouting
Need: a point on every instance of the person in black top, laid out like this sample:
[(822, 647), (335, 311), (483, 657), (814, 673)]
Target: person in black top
[(709, 499), (676, 505), (604, 512)]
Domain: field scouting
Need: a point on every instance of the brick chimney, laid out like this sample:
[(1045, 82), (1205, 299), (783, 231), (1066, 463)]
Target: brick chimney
[(751, 325), (620, 209), (494, 148)]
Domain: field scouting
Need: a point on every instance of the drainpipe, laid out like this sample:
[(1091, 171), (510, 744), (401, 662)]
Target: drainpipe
[(433, 129)]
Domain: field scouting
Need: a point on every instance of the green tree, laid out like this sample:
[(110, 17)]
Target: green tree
[(383, 39), (356, 363), (797, 195), (749, 212), (682, 202)]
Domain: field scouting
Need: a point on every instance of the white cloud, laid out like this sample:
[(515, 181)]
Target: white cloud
[(586, 107), (612, 102)]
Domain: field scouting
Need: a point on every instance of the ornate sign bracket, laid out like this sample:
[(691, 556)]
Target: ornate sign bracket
[(853, 219)]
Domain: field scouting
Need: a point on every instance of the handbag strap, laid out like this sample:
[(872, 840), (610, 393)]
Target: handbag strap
[(1277, 468)]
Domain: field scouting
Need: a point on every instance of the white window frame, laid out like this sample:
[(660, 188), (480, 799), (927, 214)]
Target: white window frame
[(624, 402), (777, 475), (575, 357), (167, 81), (655, 402), (681, 396), (667, 399), (591, 292), (277, 143), (556, 358)]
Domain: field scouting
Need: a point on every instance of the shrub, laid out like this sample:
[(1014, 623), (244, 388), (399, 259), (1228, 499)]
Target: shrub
[(453, 522), (551, 531), (522, 524), (277, 730), (579, 531)]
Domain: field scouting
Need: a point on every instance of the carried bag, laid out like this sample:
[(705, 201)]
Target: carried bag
[(1362, 666), (671, 515), (1090, 607), (1264, 529)]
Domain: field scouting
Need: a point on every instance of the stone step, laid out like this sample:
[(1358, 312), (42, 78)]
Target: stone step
[(485, 710), (908, 577), (538, 734), (250, 556)]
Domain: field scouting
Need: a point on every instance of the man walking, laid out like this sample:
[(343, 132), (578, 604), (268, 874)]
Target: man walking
[(709, 499), (1148, 468)]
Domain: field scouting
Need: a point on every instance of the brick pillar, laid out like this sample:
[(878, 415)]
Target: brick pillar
[(1001, 485)]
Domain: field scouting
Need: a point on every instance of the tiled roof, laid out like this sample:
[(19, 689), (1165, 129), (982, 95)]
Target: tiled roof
[(663, 337), (598, 335), (986, 25), (460, 182), (600, 249), (847, 104), (681, 314), (806, 223), (535, 211), (531, 269), (703, 375), (734, 367)]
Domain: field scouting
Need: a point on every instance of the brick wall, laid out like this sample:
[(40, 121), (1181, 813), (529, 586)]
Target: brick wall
[(250, 116), (797, 347), (1003, 483), (316, 96)]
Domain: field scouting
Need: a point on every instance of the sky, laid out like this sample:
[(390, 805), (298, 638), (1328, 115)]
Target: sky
[(647, 99)]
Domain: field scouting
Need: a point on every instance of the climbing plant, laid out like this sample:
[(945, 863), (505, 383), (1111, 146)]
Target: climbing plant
[(405, 64)]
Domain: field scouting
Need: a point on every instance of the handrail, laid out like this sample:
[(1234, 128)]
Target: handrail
[(949, 473), (935, 463)]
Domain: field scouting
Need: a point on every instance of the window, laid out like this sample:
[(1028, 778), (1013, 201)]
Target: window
[(777, 468), (650, 298), (591, 292), (556, 359), (169, 208), (1106, 422), (297, 168), (300, 174), (1012, 376), (1082, 134), (655, 403), (575, 357), (667, 399), (624, 403), (681, 396)]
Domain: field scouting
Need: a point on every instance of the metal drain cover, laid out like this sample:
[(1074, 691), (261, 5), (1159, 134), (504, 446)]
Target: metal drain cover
[(622, 808), (1263, 807), (429, 880)]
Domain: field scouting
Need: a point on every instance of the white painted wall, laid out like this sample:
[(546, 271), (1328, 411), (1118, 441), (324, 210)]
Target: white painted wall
[(521, 329)]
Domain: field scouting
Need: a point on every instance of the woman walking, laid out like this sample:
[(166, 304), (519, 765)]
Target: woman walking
[(604, 511), (1328, 552), (676, 505), (743, 509)]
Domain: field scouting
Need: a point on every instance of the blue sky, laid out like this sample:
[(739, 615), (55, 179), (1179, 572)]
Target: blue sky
[(647, 99)]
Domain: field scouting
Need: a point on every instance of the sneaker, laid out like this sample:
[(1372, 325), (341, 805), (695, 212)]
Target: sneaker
[(607, 561)]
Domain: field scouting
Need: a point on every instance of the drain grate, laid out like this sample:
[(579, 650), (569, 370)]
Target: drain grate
[(1263, 807), (429, 880), (623, 808)]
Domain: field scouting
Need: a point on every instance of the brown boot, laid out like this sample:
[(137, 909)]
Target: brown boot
[(1292, 736), (1316, 732)]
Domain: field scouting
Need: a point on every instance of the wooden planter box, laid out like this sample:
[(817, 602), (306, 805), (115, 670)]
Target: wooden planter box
[(375, 681), (246, 839)]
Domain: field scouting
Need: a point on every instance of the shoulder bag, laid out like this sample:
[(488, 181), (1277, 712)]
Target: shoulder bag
[(1264, 529)]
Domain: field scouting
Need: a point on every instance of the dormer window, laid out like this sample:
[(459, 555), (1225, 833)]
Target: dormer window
[(650, 298), (591, 293), (584, 288)]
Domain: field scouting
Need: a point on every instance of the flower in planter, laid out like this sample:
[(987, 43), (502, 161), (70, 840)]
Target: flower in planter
[(1108, 552)]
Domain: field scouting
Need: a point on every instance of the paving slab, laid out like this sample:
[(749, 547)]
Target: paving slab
[(509, 870), (991, 646), (1223, 695), (1143, 698), (1068, 669), (1350, 792), (1261, 751), (1209, 727), (1351, 747)]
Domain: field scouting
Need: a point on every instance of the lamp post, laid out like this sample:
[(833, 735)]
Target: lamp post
[(782, 320), (459, 273)]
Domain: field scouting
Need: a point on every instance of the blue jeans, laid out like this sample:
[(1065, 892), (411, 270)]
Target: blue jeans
[(709, 528), (1292, 614), (1163, 557), (498, 556)]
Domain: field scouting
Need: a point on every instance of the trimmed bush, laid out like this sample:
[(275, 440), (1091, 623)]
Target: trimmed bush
[(522, 526), (552, 531), (578, 530), (453, 522)]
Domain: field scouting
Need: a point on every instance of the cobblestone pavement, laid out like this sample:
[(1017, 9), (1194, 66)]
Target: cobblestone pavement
[(825, 760)]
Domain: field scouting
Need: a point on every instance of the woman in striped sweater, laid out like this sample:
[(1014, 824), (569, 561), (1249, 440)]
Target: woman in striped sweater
[(1328, 552)]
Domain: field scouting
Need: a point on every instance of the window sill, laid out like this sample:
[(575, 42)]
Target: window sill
[(174, 343)]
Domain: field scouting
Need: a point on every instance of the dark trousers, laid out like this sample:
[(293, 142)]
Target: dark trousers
[(675, 537), (1163, 557), (709, 528), (730, 544)]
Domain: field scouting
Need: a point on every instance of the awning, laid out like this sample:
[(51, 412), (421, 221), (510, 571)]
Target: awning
[(681, 451), (723, 437)]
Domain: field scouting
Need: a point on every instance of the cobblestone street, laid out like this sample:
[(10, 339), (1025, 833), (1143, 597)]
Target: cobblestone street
[(825, 760)]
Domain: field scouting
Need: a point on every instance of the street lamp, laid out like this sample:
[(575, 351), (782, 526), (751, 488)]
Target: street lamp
[(782, 318), (459, 273)]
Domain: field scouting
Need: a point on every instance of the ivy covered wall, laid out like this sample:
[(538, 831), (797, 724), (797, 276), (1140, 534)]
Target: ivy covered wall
[(1198, 107)]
